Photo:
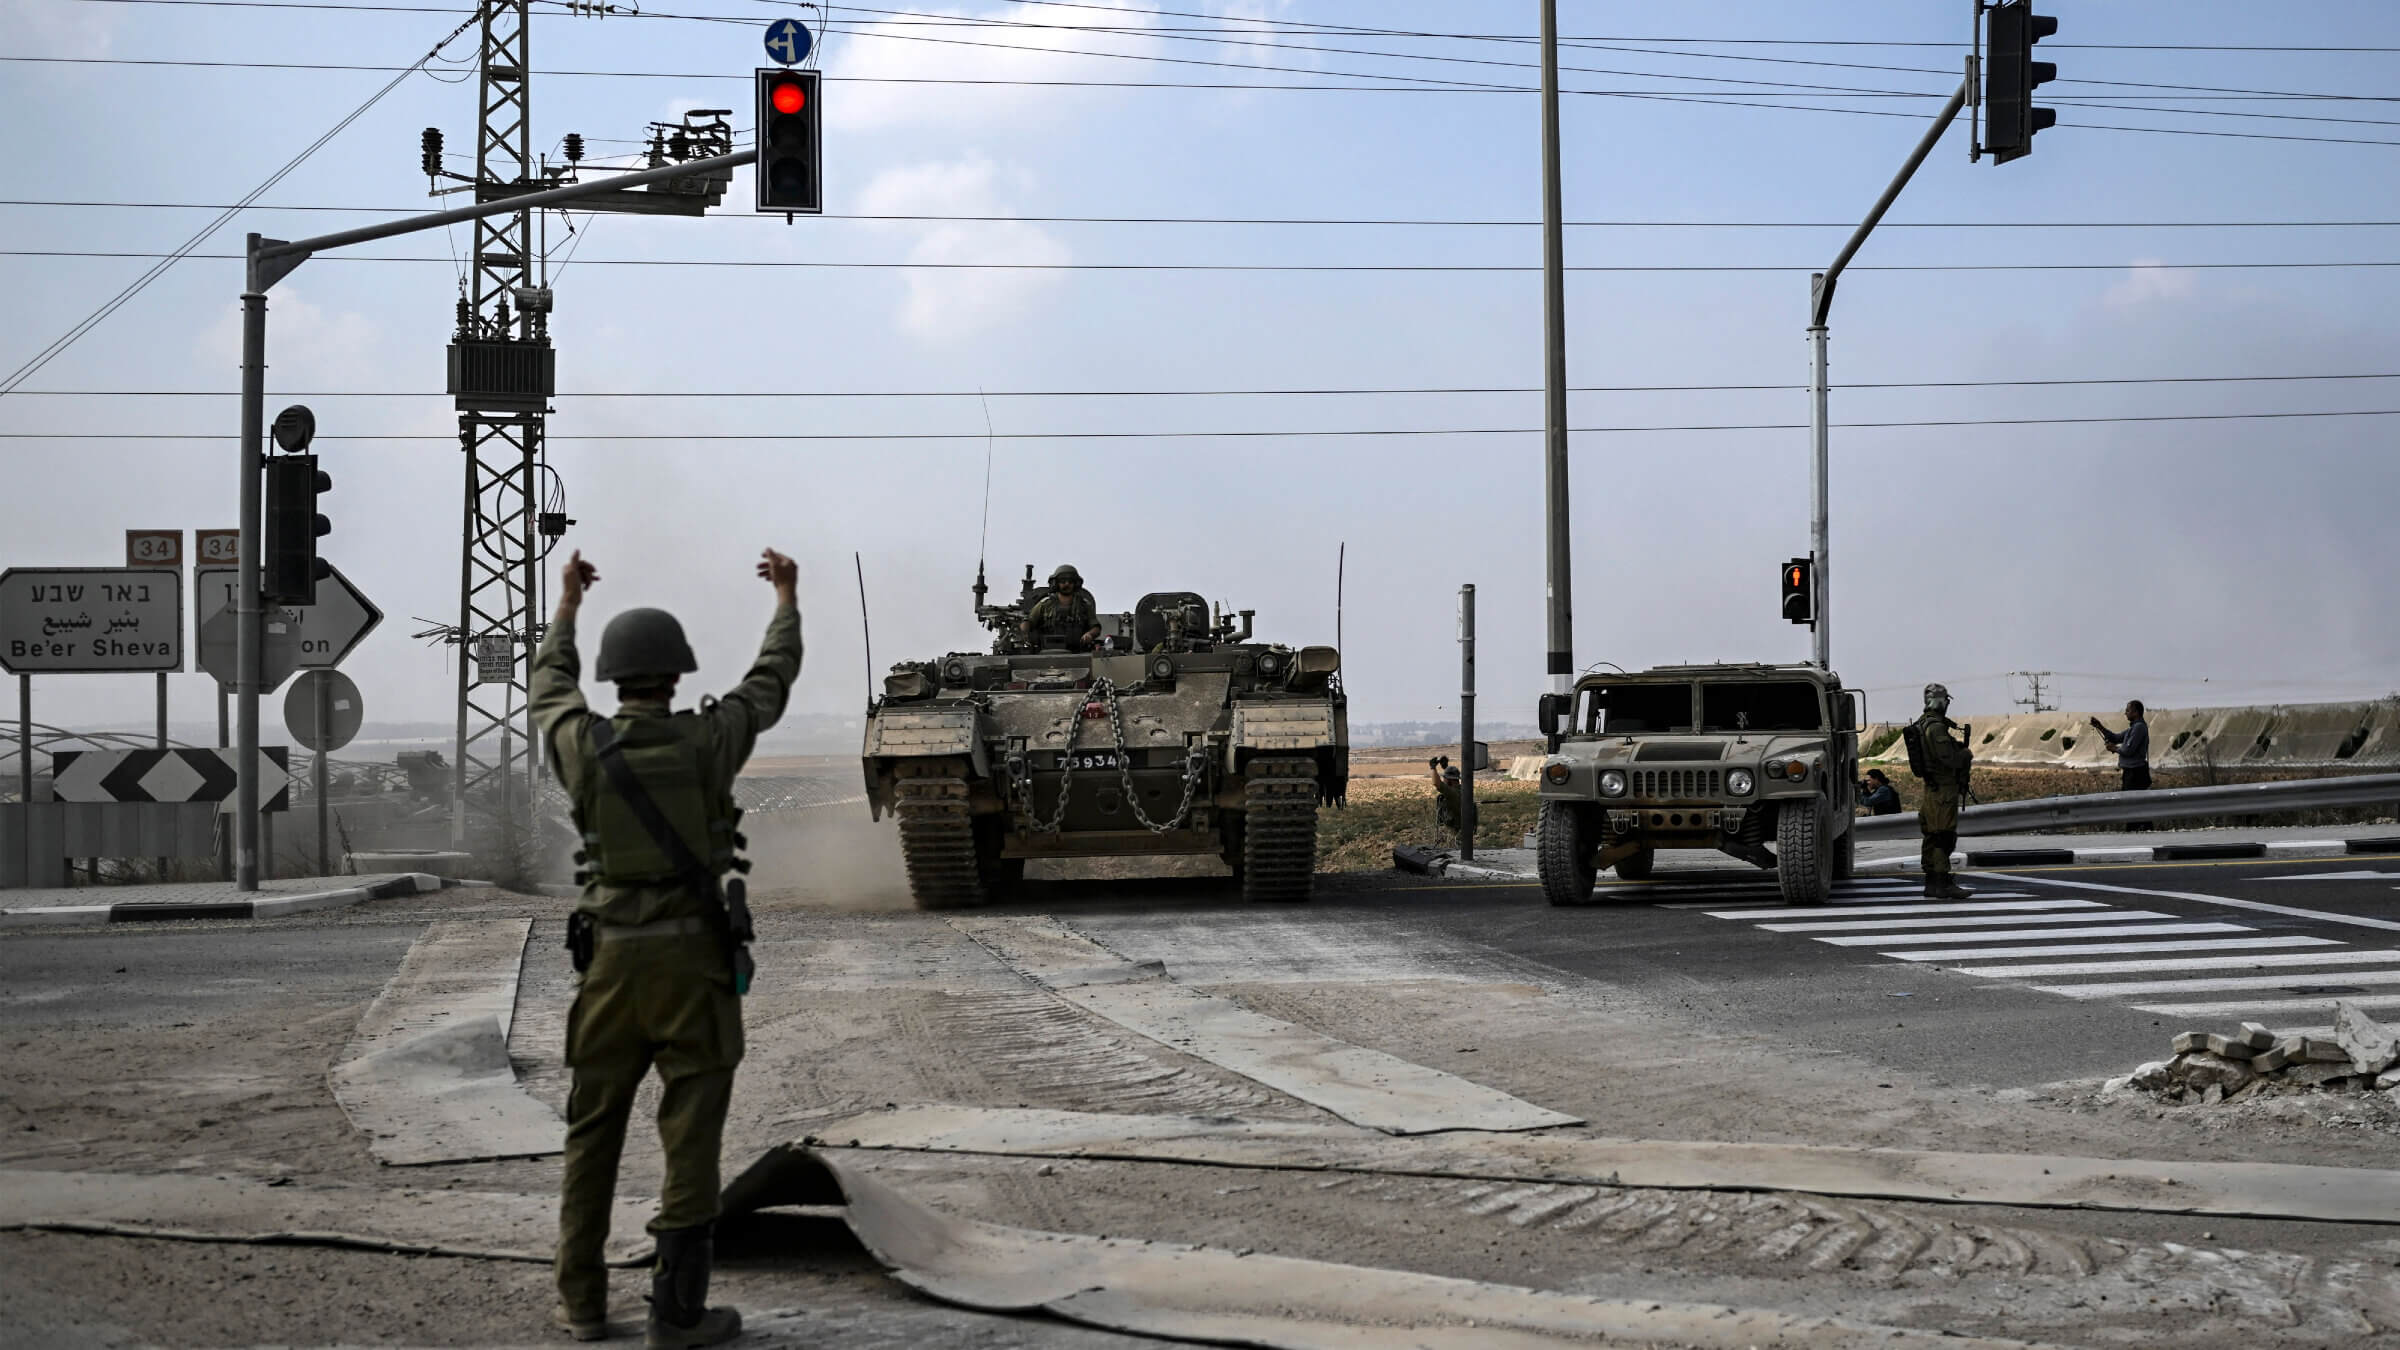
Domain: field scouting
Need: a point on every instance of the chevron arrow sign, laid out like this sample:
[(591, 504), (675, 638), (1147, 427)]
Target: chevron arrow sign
[(166, 776)]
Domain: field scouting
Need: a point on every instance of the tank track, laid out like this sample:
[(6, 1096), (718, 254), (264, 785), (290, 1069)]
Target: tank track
[(1279, 831), (937, 841)]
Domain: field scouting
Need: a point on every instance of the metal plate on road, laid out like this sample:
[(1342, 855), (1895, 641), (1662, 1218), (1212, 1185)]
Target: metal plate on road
[(788, 42), (86, 620), (322, 634), (342, 706)]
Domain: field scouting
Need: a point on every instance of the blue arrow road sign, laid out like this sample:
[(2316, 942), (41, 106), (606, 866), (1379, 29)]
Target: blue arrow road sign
[(788, 42)]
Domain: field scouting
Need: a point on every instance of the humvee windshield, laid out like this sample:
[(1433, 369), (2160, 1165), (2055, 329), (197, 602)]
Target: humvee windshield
[(1628, 709), (1761, 705)]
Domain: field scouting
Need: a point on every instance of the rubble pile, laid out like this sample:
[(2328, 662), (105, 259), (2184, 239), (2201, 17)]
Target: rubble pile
[(2363, 1055)]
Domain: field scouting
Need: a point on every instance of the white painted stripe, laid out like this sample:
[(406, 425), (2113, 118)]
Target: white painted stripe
[(1949, 907), (2340, 958), (2222, 984), (2020, 934), (2108, 948), (1969, 921), (1774, 900), (2270, 1005), (2260, 906)]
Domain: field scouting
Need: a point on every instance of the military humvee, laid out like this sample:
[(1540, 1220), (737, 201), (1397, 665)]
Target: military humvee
[(1757, 761), (1179, 734)]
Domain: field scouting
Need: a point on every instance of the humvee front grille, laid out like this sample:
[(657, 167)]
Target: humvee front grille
[(1672, 784)]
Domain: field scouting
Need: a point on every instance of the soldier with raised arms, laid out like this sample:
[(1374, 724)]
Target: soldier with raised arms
[(659, 941)]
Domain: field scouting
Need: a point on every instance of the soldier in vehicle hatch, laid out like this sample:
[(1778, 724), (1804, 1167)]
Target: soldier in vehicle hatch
[(659, 942), (1938, 754), (1067, 613)]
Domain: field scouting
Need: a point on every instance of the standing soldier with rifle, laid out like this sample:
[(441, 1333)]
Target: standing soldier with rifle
[(1938, 754), (660, 942)]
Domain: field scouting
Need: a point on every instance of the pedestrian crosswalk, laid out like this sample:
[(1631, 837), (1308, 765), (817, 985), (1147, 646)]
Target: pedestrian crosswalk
[(2200, 967)]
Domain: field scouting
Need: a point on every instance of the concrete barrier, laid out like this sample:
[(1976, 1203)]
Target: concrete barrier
[(2364, 736)]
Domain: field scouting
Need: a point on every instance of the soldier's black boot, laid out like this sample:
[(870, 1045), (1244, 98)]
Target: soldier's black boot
[(679, 1313)]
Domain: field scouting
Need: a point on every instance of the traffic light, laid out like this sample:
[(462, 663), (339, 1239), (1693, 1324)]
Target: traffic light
[(2010, 74), (1800, 591), (789, 139), (292, 567)]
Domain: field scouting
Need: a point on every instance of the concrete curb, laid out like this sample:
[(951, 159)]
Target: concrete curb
[(265, 907)]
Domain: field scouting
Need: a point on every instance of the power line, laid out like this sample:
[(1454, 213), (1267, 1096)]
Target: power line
[(1718, 100), (1310, 27), (47, 354), (1459, 268), (1235, 435), (1359, 220), (1240, 393), (1778, 42)]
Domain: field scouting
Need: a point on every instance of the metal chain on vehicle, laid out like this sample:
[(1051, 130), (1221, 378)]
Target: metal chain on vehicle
[(1195, 768), (1195, 764), (1058, 818)]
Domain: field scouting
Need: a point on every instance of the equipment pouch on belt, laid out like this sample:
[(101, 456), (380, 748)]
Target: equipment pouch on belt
[(583, 932), (732, 902)]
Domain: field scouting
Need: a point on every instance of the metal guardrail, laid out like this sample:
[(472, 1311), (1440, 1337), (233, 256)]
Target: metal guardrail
[(2125, 808)]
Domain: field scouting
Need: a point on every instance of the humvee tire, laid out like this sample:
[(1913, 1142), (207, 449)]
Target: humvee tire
[(1565, 856), (1803, 856)]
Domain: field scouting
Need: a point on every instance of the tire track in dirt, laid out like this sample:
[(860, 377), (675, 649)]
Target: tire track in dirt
[(2304, 1299)]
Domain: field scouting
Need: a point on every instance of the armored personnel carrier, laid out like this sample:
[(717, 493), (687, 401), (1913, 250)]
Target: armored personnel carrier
[(1728, 757), (1175, 733)]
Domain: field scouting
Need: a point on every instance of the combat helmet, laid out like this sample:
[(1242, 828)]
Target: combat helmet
[(1937, 693), (643, 644), (1065, 572)]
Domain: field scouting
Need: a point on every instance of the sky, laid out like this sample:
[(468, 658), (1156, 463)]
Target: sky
[(1714, 155)]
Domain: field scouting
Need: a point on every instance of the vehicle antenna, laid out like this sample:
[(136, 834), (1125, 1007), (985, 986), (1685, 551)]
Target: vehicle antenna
[(864, 631), (983, 539), (1341, 563)]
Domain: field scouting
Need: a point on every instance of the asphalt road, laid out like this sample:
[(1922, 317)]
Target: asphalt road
[(2046, 975), (2052, 974)]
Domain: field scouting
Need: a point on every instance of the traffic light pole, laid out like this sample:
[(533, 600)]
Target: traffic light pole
[(267, 261), (1554, 373), (1819, 311)]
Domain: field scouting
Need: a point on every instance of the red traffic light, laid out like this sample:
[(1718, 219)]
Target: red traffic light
[(789, 97)]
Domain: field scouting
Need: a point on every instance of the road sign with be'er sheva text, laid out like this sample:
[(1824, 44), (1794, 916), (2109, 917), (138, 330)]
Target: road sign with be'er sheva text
[(86, 620)]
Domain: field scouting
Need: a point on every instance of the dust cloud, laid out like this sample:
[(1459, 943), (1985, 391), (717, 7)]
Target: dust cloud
[(827, 857)]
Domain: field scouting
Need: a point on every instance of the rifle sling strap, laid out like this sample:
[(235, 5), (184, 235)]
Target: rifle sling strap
[(689, 869)]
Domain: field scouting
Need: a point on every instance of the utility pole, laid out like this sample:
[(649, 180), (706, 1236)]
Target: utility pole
[(2034, 701), (502, 376), (503, 373), (1466, 723), (1554, 373)]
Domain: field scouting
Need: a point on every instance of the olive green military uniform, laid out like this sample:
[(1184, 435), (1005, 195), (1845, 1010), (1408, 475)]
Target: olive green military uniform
[(660, 987), (1948, 762), (1445, 803), (1062, 616)]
